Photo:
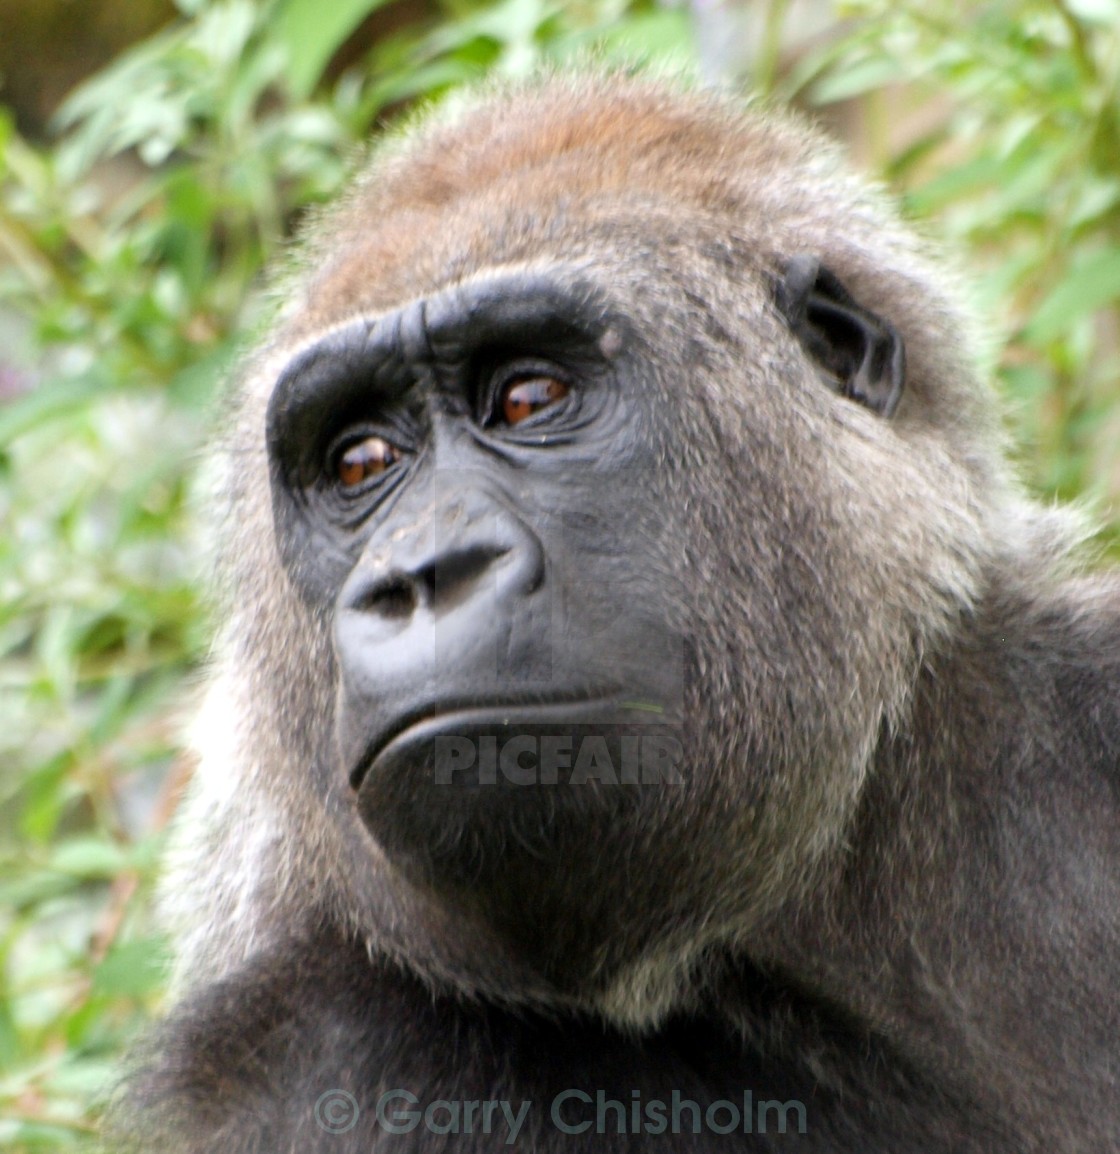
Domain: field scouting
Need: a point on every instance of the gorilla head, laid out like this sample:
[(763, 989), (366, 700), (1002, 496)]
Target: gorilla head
[(553, 516)]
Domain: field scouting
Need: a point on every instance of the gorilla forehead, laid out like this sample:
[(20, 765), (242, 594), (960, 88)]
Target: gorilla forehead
[(470, 188)]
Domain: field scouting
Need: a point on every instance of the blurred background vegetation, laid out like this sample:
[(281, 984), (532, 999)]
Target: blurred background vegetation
[(153, 156)]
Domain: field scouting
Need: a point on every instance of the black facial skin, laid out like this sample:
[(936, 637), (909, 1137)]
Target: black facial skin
[(477, 584)]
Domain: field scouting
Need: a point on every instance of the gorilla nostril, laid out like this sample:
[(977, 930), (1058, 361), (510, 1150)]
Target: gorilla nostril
[(450, 578), (393, 598), (439, 585)]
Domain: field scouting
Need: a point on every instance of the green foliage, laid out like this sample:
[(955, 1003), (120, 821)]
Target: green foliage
[(130, 252), (1021, 170)]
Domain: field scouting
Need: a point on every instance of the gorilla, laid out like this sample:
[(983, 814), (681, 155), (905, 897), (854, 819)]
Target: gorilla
[(649, 714)]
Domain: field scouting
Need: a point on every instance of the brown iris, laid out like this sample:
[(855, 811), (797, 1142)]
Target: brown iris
[(366, 458), (528, 395)]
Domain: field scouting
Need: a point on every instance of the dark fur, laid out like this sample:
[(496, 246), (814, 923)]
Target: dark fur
[(890, 890)]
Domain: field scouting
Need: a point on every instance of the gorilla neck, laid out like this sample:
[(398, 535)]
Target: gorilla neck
[(972, 918)]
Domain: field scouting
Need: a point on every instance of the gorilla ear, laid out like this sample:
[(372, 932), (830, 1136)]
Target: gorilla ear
[(859, 354)]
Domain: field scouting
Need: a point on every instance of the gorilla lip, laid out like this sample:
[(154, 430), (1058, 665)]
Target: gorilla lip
[(437, 720)]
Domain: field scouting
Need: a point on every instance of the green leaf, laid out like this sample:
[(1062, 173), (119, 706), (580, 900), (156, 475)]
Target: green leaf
[(1091, 284), (33, 888), (664, 36), (856, 79), (89, 857), (10, 1048), (961, 180), (133, 969), (313, 32), (49, 400)]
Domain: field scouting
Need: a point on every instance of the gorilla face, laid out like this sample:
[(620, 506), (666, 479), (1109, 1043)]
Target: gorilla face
[(483, 494), (467, 487)]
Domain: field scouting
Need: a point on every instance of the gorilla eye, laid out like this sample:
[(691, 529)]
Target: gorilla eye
[(524, 396), (364, 459)]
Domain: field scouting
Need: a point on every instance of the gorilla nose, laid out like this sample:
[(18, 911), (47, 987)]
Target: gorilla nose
[(442, 582), (466, 551)]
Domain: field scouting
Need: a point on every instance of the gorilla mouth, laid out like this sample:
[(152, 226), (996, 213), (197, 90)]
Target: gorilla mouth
[(455, 719)]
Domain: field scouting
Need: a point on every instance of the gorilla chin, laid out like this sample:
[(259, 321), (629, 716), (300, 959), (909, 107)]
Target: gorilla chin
[(441, 790)]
